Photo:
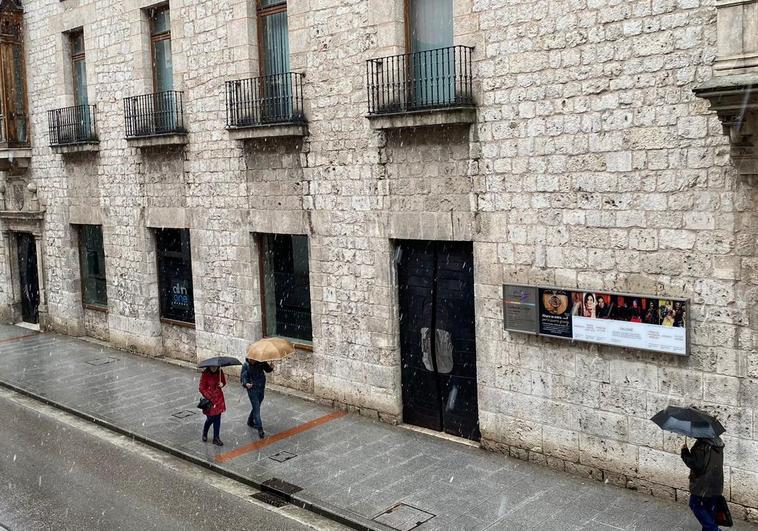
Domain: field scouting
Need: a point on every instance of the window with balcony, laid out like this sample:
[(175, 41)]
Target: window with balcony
[(76, 124), (433, 74), (286, 286), (92, 263), (161, 112), (276, 95)]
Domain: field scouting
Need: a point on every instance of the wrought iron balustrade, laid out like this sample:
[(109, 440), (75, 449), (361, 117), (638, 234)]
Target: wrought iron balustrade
[(72, 125), (431, 79), (160, 113), (265, 100)]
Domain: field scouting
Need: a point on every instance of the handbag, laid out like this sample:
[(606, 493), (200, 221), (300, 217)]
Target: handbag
[(723, 516), (204, 404)]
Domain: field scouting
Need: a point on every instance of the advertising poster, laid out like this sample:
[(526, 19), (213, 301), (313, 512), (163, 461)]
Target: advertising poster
[(630, 321), (555, 312)]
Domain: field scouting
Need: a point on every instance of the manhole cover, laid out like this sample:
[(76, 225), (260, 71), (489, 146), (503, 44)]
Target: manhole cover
[(271, 499), (101, 361), (281, 457), (183, 414), (403, 517)]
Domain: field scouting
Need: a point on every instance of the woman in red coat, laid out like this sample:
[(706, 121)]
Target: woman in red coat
[(211, 386)]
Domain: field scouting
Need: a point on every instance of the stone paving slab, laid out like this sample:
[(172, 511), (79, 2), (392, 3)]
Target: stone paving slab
[(354, 463)]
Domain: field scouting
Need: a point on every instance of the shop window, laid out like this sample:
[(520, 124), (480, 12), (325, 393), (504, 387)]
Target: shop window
[(175, 274), (92, 263), (286, 286)]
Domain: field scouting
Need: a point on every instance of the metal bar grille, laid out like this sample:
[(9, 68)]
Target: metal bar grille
[(265, 100), (72, 125), (160, 113), (430, 79)]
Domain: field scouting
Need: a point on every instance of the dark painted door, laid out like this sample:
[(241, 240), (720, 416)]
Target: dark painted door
[(437, 336), (27, 272)]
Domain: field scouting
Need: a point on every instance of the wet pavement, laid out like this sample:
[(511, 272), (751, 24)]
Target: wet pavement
[(356, 465), (60, 478)]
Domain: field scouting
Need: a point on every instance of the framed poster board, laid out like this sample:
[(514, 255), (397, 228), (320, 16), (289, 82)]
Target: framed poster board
[(645, 322)]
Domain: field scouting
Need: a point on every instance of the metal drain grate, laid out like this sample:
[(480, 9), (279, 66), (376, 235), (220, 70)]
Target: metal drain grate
[(183, 414), (281, 457), (101, 361), (271, 499), (403, 517), (279, 485)]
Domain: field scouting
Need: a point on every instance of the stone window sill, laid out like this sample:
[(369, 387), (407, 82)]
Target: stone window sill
[(95, 307), (15, 157), (64, 149), (183, 324), (268, 131), (425, 118), (176, 139)]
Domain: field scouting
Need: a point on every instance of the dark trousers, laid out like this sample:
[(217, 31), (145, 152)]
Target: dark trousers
[(216, 421), (704, 510), (255, 394)]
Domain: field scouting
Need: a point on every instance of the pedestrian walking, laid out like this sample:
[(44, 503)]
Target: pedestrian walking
[(253, 378), (706, 463), (212, 382)]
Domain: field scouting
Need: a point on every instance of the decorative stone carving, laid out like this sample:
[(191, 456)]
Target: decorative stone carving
[(733, 91), (17, 194)]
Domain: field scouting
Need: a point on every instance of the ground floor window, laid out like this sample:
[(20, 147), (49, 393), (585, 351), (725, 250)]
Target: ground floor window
[(286, 286), (92, 262), (172, 248)]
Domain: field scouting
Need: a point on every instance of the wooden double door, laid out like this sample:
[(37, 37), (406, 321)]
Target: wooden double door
[(437, 336)]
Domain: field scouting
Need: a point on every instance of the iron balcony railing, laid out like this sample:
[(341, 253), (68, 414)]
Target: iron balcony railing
[(430, 79), (265, 100), (72, 125), (161, 113)]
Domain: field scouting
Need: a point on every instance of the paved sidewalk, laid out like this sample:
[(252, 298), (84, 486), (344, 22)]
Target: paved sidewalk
[(355, 466)]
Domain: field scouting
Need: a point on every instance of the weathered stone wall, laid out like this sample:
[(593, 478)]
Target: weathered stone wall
[(592, 165)]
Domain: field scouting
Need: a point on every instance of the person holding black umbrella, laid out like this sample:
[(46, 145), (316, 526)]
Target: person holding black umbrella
[(211, 386), (706, 463), (705, 460)]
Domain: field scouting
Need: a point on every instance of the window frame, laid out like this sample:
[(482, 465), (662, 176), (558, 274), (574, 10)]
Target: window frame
[(157, 37), (189, 319), (261, 13), (83, 269), (76, 58), (301, 344)]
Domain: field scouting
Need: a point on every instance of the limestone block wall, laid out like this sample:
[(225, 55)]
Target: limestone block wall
[(592, 165)]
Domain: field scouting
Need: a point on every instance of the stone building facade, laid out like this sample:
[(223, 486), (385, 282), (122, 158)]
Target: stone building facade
[(592, 159)]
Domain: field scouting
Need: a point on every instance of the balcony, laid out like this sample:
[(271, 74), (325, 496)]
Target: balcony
[(154, 120), (266, 106), (428, 88), (72, 129)]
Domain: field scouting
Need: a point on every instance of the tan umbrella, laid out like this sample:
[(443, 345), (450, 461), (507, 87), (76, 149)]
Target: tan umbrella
[(269, 349)]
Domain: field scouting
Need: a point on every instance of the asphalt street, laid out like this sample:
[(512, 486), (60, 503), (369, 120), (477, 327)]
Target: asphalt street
[(56, 476)]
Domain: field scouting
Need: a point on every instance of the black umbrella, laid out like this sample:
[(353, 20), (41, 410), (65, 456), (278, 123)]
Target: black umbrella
[(689, 422), (220, 361)]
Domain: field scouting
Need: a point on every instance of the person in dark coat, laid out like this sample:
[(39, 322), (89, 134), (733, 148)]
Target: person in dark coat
[(212, 382), (706, 463), (253, 378)]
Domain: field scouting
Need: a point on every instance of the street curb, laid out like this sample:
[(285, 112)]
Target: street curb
[(299, 499)]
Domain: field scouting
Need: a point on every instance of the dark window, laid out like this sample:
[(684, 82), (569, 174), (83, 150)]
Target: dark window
[(92, 262), (79, 67), (160, 43), (175, 274), (286, 286)]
